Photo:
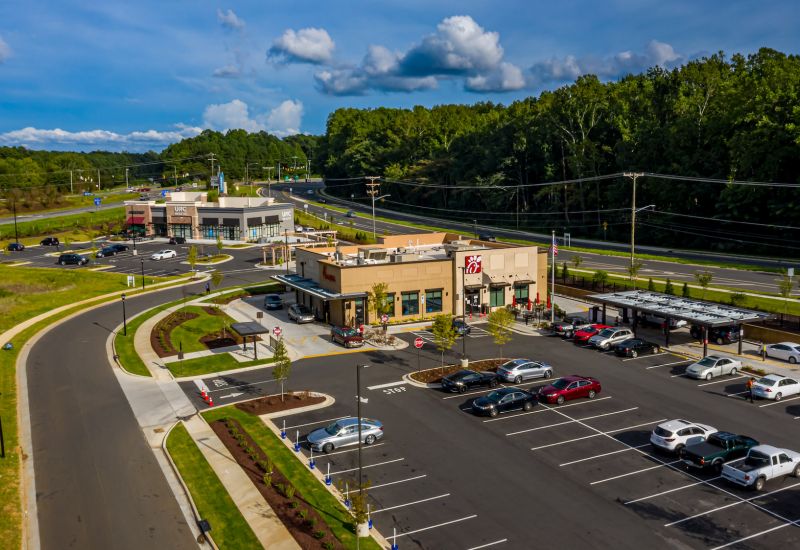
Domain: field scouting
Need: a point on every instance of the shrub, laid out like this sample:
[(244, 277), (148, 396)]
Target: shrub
[(311, 522), (267, 479), (289, 490), (294, 504), (302, 514), (319, 534), (327, 545)]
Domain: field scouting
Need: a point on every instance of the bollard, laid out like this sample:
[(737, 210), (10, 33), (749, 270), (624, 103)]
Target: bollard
[(369, 517), (311, 463), (283, 431), (347, 495), (394, 539), (297, 442), (328, 479)]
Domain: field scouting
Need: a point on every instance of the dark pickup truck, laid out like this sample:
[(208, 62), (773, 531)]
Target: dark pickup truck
[(717, 449)]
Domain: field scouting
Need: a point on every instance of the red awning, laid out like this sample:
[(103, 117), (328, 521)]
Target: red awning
[(136, 220)]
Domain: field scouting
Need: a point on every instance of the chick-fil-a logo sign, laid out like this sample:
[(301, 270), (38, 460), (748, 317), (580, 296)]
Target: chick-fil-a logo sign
[(472, 264)]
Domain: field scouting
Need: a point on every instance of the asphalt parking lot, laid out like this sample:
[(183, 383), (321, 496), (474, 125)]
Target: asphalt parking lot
[(579, 474)]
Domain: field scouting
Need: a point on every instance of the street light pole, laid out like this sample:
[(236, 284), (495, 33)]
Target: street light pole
[(360, 442), (142, 273), (475, 228), (463, 310), (288, 253), (374, 198), (124, 317)]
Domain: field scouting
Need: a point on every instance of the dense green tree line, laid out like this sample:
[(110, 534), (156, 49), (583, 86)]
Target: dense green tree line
[(736, 118)]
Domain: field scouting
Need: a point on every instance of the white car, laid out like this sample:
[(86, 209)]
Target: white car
[(776, 386), (659, 321), (713, 365), (164, 254), (298, 228), (788, 351), (610, 336), (674, 435)]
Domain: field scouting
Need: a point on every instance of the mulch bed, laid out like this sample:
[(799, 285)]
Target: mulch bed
[(273, 403), (212, 310), (434, 376), (288, 510), (216, 339), (160, 336)]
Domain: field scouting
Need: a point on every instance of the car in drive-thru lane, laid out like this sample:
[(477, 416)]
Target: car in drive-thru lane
[(344, 432), (717, 449), (273, 301), (300, 313), (518, 370), (347, 336), (676, 434), (713, 365), (570, 325), (569, 387), (776, 386), (718, 335), (503, 400), (464, 380), (762, 463)]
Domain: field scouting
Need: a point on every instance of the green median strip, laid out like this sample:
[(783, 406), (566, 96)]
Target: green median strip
[(228, 527), (315, 493)]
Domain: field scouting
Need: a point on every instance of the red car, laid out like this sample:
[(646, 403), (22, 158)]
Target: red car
[(569, 387), (582, 336)]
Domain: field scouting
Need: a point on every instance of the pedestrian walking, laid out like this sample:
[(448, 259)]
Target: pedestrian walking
[(750, 383), (763, 351), (208, 287)]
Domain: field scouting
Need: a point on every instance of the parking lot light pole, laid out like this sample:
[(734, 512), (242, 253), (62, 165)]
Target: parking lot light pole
[(124, 317), (463, 311), (360, 441), (142, 273)]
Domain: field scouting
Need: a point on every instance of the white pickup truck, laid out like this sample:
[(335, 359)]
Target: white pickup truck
[(762, 463)]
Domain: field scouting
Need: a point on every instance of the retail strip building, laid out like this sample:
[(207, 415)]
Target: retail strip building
[(426, 274)]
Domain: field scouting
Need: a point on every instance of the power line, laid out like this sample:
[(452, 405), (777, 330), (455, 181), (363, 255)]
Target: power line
[(483, 212), (722, 181), (724, 220)]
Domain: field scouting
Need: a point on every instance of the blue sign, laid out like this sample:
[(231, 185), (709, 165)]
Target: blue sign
[(221, 182), (163, 192), (97, 201), (87, 193)]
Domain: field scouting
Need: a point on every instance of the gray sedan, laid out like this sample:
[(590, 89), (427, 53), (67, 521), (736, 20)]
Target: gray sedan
[(518, 370), (344, 432), (300, 314), (713, 365)]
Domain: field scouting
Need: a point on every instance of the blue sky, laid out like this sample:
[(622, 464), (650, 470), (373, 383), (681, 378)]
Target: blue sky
[(139, 75)]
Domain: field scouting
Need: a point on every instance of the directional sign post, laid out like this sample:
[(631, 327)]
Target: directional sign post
[(96, 202), (418, 344)]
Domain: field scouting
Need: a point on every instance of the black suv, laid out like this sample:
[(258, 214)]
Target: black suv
[(119, 247), (106, 251), (49, 241), (718, 335), (16, 247), (463, 380), (488, 237), (72, 259), (177, 240)]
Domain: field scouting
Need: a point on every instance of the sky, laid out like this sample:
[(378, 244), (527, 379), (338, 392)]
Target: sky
[(120, 75)]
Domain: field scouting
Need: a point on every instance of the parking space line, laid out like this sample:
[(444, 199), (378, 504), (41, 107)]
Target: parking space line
[(779, 402), (754, 535), (677, 375), (547, 409), (373, 512), (602, 455), (742, 501), (597, 434), (387, 385), (634, 473), (681, 488), (721, 381), (373, 487), (367, 466), (668, 364), (645, 356), (363, 448), (473, 516), (737, 394), (465, 394), (501, 541), (312, 423), (571, 421)]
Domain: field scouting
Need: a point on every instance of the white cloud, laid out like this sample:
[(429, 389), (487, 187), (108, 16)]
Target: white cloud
[(304, 46), (230, 20), (284, 120), (37, 137), (5, 50), (569, 68), (232, 115), (227, 71), (505, 78)]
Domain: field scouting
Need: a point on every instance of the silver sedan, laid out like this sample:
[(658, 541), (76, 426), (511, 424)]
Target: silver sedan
[(344, 432), (300, 314), (713, 365), (518, 370)]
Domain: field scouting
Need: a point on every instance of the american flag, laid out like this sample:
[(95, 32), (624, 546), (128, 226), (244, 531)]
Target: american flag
[(555, 246)]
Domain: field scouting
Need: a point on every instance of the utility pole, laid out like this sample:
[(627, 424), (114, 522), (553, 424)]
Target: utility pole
[(175, 174), (633, 176), (70, 180), (553, 279), (16, 233), (126, 179), (463, 310), (98, 179), (279, 170), (211, 159), (372, 191)]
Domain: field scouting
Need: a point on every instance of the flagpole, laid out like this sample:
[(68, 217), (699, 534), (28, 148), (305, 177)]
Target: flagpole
[(553, 280)]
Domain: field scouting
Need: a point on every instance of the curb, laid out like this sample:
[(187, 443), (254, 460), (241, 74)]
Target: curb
[(431, 385), (329, 400), (228, 258)]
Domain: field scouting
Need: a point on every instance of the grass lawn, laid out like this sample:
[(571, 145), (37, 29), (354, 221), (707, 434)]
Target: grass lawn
[(210, 364), (215, 259), (123, 344), (343, 232), (75, 227), (228, 527), (189, 333), (332, 511)]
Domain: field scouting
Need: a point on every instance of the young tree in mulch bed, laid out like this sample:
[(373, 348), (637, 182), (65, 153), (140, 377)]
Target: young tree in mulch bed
[(435, 375), (302, 520)]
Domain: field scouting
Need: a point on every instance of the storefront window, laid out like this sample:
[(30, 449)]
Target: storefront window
[(433, 301), (497, 297), (410, 303), (521, 294), (182, 230), (389, 304)]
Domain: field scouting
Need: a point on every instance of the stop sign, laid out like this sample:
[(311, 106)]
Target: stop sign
[(418, 343), (277, 331)]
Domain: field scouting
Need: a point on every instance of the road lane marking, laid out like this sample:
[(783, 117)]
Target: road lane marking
[(682, 487), (597, 434), (387, 385), (571, 421), (367, 466), (473, 516), (312, 423), (373, 487), (779, 402), (645, 356), (602, 455), (721, 381), (487, 545), (373, 512), (548, 409), (668, 364), (634, 472)]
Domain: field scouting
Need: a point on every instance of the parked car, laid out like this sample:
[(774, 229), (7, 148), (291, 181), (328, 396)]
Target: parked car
[(634, 347), (177, 240), (713, 365), (674, 435), (609, 336), (463, 380), (164, 254), (762, 463), (347, 336), (718, 335), (461, 328), (300, 313), (788, 351), (658, 321), (344, 432), (119, 247), (570, 325), (298, 229), (72, 259), (49, 241), (106, 251), (569, 387), (518, 370), (350, 214), (310, 192), (323, 200), (582, 336), (273, 301), (488, 237), (776, 386), (717, 449), (16, 247), (504, 400)]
